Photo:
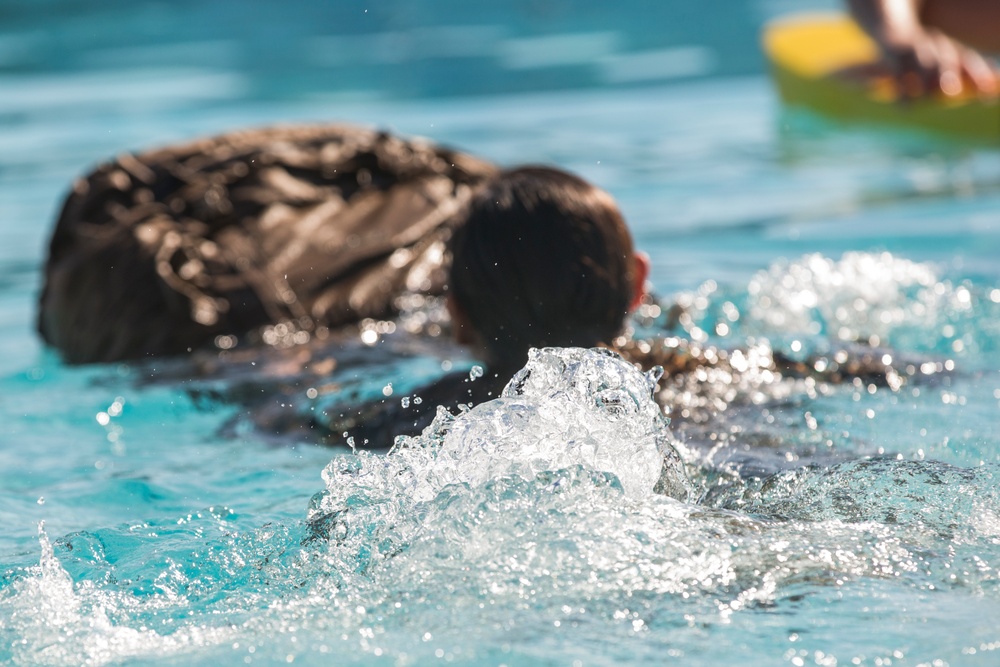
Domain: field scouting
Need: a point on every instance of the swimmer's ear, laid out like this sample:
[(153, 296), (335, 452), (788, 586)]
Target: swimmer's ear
[(640, 272), (461, 326)]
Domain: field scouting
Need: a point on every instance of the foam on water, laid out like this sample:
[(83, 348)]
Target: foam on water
[(860, 295), (529, 517), (572, 409), (53, 620), (876, 298), (575, 429), (483, 574), (566, 407)]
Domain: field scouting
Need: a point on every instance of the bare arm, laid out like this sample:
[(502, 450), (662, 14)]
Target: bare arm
[(927, 44)]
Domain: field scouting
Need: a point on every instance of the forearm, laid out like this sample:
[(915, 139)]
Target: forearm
[(930, 46), (888, 21)]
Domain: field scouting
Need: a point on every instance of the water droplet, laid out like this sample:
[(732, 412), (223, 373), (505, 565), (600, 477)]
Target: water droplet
[(476, 372), (405, 401)]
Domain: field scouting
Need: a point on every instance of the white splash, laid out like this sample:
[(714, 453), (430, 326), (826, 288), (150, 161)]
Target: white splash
[(857, 297), (62, 622), (567, 407)]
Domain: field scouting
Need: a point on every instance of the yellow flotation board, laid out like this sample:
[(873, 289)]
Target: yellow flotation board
[(817, 61)]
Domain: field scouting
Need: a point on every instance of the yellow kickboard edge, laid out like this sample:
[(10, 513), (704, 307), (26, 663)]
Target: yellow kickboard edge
[(809, 54)]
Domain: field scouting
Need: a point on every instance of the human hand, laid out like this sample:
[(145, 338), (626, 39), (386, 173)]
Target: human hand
[(925, 62), (920, 58)]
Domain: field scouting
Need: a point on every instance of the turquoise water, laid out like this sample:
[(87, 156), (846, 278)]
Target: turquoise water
[(826, 525)]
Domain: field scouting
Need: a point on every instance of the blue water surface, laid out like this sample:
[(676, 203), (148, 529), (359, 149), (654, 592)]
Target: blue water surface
[(832, 525)]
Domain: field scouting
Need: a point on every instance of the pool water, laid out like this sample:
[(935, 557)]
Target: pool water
[(850, 524)]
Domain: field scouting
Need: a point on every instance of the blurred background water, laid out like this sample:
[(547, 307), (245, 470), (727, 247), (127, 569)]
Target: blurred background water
[(169, 540)]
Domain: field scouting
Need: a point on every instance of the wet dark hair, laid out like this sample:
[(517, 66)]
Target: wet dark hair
[(543, 258)]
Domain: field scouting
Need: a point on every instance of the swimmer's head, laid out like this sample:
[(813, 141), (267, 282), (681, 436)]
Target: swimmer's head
[(543, 259)]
